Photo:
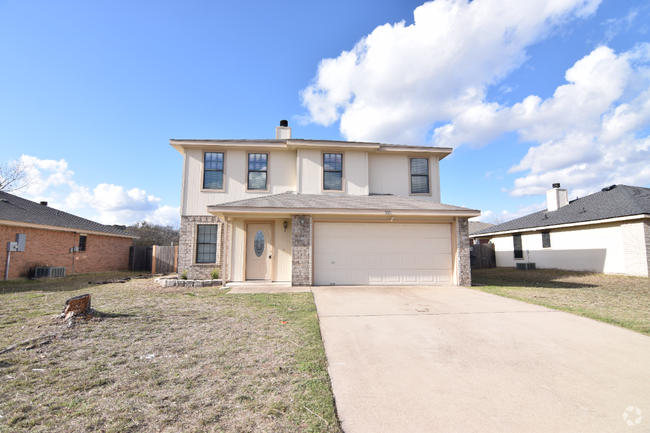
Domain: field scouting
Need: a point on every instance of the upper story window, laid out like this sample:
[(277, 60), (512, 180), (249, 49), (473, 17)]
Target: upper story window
[(333, 171), (546, 239), (206, 244), (519, 251), (82, 242), (419, 176), (213, 170), (257, 171)]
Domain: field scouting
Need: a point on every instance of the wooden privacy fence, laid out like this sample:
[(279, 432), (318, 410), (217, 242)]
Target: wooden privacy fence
[(140, 258), (482, 256), (157, 259), (165, 260)]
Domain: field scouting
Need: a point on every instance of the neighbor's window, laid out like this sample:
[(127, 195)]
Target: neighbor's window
[(213, 170), (546, 239), (333, 171), (419, 176), (257, 170), (82, 242), (519, 252), (206, 244)]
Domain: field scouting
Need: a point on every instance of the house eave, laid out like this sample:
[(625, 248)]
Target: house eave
[(560, 226), (235, 211)]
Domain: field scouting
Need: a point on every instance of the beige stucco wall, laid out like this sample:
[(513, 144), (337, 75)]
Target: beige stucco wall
[(281, 176), (588, 248), (281, 247), (389, 174)]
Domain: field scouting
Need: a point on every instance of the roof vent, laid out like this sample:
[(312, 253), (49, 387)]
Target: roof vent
[(44, 203), (609, 188), (283, 132)]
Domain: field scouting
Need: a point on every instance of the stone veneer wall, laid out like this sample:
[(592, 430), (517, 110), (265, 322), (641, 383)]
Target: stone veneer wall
[(462, 245), (187, 247), (301, 250), (636, 247)]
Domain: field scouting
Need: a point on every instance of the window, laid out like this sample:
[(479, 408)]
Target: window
[(213, 170), (257, 171), (546, 239), (82, 242), (333, 171), (206, 244), (519, 252), (419, 176)]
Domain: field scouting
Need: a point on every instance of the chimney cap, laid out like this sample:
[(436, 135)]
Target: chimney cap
[(284, 123), (556, 185), (44, 203)]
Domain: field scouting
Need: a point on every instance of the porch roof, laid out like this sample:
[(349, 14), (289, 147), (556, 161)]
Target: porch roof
[(294, 203)]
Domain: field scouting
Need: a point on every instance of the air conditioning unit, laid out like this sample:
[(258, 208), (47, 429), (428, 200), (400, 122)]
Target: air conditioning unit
[(526, 266), (49, 272)]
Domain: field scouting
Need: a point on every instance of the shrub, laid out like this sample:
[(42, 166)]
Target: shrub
[(184, 275), (215, 274)]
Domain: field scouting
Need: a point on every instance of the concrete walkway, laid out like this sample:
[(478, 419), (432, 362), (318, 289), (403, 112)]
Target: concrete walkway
[(449, 359)]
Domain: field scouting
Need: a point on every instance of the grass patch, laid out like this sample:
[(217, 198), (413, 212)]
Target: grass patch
[(616, 299), (157, 359)]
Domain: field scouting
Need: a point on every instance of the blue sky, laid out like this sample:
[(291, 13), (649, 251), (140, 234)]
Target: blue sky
[(528, 93)]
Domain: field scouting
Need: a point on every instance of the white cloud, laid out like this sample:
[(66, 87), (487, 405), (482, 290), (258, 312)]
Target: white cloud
[(107, 203), (593, 131), (400, 80)]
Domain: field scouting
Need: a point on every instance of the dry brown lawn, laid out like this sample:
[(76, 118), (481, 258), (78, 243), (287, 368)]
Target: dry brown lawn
[(161, 359), (615, 299)]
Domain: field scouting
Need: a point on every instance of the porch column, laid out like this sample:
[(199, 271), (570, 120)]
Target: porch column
[(301, 250), (462, 248)]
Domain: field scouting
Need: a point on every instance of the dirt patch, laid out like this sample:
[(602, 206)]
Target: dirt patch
[(156, 359), (615, 299)]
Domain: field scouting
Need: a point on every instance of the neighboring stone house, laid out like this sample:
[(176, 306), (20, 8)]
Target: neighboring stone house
[(316, 212), (608, 231), (49, 236)]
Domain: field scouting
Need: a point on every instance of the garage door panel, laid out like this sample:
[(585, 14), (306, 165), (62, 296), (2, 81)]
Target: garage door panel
[(375, 262), (382, 253), (441, 230)]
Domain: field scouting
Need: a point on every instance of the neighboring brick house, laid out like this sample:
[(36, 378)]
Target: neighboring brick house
[(315, 212), (608, 231), (475, 226), (51, 233)]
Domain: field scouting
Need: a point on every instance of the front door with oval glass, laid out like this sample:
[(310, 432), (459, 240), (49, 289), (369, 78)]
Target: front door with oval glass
[(259, 252)]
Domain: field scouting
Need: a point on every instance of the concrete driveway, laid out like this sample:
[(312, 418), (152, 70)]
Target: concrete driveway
[(450, 359)]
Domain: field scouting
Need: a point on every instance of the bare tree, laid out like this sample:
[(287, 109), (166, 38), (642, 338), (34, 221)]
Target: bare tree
[(498, 220), (153, 234), (15, 176)]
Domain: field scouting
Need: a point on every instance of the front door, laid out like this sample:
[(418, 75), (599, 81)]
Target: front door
[(259, 252)]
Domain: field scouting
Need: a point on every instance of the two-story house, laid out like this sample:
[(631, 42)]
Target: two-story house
[(316, 212)]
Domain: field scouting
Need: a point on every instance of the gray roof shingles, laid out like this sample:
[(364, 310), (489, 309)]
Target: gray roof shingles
[(14, 208), (326, 201), (621, 201)]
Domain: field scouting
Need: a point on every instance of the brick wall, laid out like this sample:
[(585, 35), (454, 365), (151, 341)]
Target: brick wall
[(187, 247), (636, 244), (52, 248), (462, 245), (301, 250)]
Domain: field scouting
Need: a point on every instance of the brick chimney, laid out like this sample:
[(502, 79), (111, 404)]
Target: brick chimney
[(283, 132), (556, 197)]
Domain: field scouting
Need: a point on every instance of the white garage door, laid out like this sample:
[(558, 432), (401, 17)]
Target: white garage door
[(382, 253)]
